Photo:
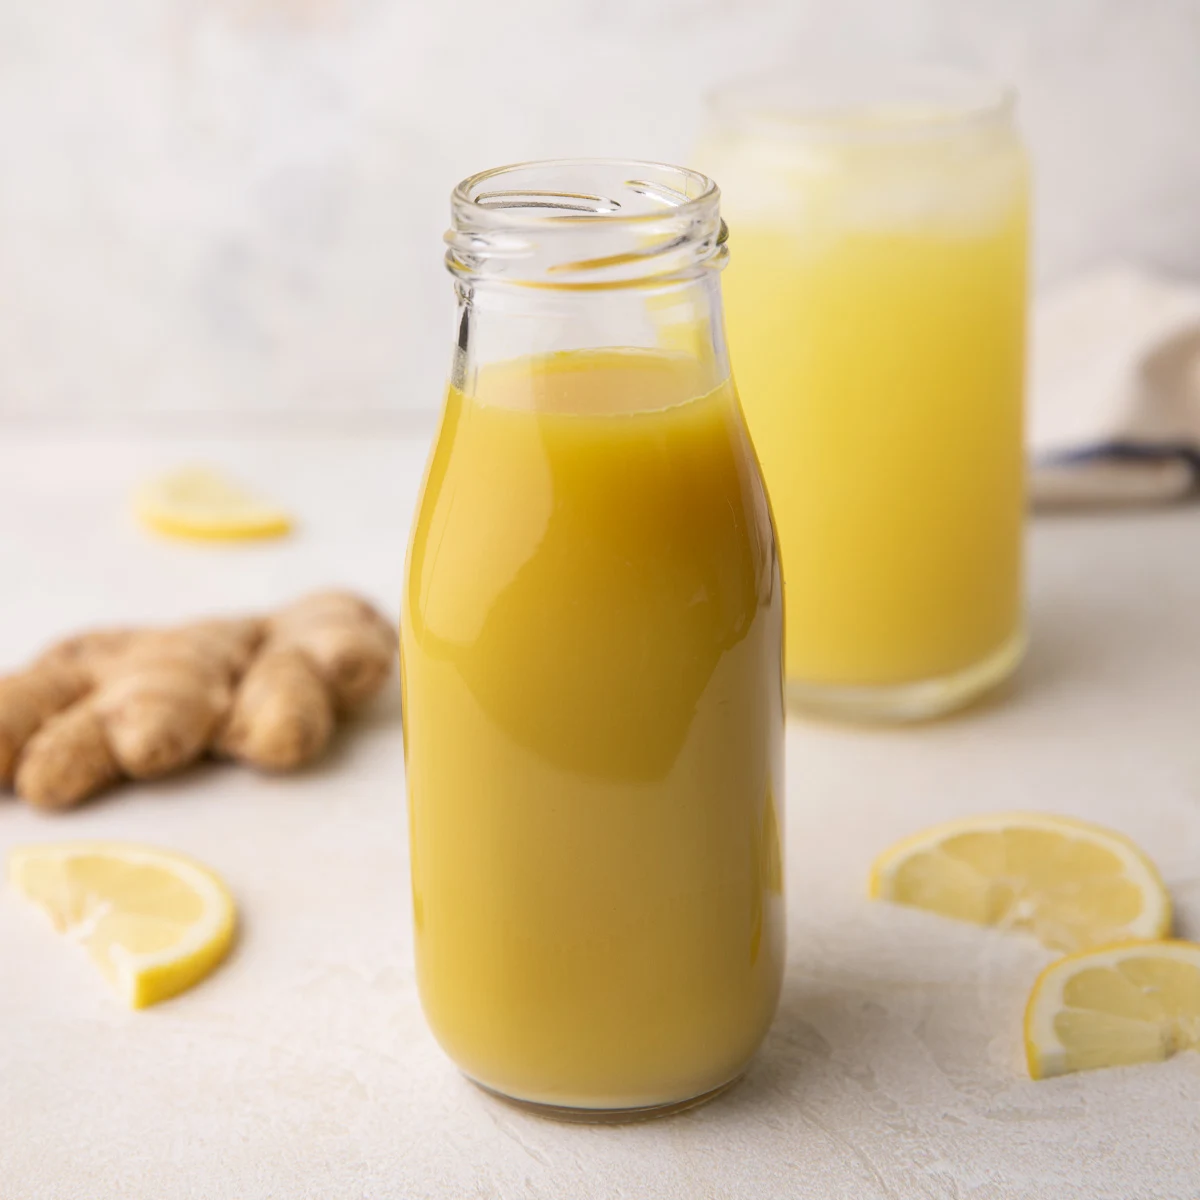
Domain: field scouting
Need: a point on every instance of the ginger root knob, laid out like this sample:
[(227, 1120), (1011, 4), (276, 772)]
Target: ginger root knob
[(27, 701), (326, 654), (283, 716)]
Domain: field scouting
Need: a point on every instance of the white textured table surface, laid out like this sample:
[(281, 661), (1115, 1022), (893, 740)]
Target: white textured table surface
[(303, 1068)]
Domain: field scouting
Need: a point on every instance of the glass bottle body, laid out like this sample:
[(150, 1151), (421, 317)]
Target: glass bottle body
[(591, 640)]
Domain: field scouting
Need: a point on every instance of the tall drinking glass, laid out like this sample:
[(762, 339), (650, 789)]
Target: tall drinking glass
[(876, 305)]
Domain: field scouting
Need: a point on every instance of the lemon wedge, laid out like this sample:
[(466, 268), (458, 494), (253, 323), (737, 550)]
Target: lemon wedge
[(1071, 884), (197, 502), (154, 922), (1132, 1003)]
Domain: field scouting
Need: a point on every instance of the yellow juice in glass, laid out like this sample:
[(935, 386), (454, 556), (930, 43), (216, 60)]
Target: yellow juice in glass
[(593, 725), (875, 304)]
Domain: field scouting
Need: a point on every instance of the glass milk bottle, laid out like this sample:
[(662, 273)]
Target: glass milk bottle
[(591, 645), (876, 312)]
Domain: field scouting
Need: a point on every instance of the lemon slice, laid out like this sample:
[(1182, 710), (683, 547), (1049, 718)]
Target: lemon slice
[(1071, 884), (154, 922), (1132, 1003), (196, 502)]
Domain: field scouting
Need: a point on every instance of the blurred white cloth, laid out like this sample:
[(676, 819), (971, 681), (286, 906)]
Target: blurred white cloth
[(1115, 414)]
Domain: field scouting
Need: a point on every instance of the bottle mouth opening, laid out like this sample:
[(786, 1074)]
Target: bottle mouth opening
[(863, 104), (585, 223), (523, 195)]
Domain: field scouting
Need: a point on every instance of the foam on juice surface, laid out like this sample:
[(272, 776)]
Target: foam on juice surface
[(823, 187)]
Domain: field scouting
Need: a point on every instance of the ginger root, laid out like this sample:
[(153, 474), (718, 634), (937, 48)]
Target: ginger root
[(140, 704)]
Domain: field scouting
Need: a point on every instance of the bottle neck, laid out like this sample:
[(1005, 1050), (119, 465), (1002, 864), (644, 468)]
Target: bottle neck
[(500, 322), (550, 258)]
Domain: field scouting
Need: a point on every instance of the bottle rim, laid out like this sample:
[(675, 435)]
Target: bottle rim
[(476, 204), (584, 223)]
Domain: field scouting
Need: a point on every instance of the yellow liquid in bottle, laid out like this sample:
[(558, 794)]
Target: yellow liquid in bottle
[(593, 727), (880, 360)]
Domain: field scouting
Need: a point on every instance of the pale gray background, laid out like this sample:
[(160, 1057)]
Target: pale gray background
[(236, 205)]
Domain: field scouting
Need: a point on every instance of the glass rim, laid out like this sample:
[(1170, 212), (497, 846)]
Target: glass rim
[(863, 102), (515, 208)]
